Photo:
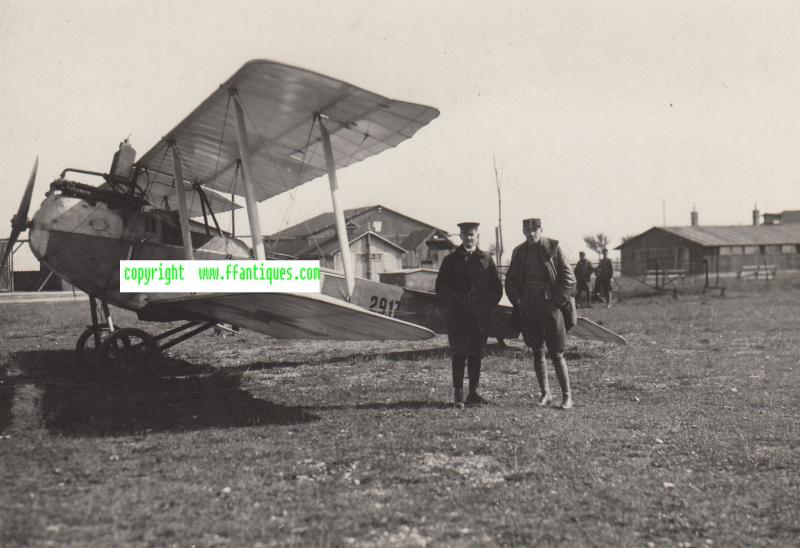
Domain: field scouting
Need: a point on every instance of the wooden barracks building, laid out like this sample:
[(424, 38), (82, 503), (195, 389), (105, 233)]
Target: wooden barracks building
[(772, 245), (381, 240)]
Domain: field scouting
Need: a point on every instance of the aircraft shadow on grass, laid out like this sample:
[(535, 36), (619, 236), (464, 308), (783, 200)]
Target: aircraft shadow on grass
[(77, 401), (178, 395)]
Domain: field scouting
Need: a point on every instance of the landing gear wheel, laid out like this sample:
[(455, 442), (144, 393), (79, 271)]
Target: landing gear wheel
[(86, 348), (127, 347)]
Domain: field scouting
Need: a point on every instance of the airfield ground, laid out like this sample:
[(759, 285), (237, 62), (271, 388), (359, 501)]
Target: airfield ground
[(690, 436)]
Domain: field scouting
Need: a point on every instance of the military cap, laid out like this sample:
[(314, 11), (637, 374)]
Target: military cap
[(532, 223), (469, 225)]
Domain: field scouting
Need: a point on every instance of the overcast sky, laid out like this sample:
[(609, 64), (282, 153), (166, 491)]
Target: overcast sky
[(598, 112)]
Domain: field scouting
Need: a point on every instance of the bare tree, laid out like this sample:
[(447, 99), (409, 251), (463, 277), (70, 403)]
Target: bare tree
[(498, 179), (596, 243)]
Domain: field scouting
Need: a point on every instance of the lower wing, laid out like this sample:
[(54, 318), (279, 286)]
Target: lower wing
[(291, 316)]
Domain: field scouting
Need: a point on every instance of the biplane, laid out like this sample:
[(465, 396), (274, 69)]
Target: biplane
[(268, 129)]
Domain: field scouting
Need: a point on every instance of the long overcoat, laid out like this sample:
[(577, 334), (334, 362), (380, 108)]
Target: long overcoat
[(469, 288)]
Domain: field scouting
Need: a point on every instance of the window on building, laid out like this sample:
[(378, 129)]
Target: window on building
[(663, 257)]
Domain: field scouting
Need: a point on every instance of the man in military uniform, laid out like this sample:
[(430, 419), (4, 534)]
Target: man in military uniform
[(469, 288), (538, 283), (583, 273), (604, 274)]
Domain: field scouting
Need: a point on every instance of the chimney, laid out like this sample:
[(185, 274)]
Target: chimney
[(756, 215), (695, 220)]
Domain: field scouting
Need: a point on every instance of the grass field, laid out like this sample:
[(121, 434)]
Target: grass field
[(687, 437)]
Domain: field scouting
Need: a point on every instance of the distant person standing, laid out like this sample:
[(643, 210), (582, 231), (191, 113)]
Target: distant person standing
[(538, 283), (583, 274), (470, 288), (604, 274)]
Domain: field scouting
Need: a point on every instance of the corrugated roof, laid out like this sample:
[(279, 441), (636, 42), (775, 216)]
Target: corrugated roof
[(320, 222), (417, 237), (713, 236), (331, 245), (286, 246), (326, 220)]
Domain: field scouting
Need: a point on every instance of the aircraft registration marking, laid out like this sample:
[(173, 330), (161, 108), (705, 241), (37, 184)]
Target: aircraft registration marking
[(383, 306)]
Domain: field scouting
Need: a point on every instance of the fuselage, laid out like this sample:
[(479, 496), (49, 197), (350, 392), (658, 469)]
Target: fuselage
[(84, 243)]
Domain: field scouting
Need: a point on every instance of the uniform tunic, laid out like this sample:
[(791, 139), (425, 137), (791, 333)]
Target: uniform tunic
[(604, 274), (538, 284), (583, 273)]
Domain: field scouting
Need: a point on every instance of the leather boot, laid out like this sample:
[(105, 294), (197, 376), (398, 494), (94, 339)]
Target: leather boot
[(473, 398), (560, 365), (540, 369), (458, 363), (459, 398), (474, 369)]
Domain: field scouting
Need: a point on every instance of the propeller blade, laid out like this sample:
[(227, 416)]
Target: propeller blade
[(9, 246), (19, 222)]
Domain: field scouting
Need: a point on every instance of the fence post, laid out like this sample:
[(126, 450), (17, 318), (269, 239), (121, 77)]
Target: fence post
[(657, 275)]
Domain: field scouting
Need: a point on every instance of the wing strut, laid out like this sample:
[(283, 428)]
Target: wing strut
[(341, 229), (247, 179), (183, 210)]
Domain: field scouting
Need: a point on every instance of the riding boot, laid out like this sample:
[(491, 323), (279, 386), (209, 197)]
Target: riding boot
[(474, 366), (540, 369), (560, 365), (458, 398), (474, 371), (458, 380)]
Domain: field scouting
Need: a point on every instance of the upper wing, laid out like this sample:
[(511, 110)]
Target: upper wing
[(292, 316), (279, 103)]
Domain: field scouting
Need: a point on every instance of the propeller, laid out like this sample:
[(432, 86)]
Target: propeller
[(19, 222)]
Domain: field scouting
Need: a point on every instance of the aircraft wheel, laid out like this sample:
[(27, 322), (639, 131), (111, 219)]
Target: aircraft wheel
[(127, 346), (85, 347)]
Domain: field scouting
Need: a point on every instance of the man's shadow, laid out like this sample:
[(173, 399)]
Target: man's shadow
[(172, 396)]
